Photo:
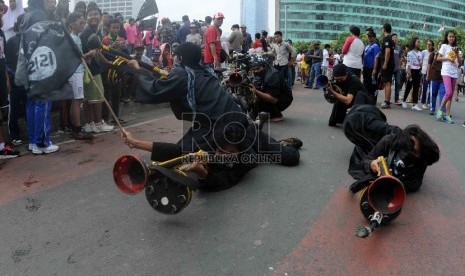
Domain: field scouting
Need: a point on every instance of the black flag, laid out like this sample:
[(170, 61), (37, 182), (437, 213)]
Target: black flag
[(47, 58), (148, 8)]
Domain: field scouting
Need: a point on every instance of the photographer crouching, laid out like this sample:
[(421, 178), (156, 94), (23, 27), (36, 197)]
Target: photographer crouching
[(273, 95)]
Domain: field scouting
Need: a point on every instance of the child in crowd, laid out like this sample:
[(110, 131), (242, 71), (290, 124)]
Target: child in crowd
[(75, 24)]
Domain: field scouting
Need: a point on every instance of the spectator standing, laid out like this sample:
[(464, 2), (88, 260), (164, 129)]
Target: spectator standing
[(18, 95), (122, 32), (9, 18), (371, 51), (81, 7), (103, 26), (62, 11), (247, 44), (257, 43), (292, 65), (386, 64), (185, 29), (264, 41), (208, 22), (397, 68), (166, 33), (38, 111), (316, 57), (212, 55), (75, 24), (236, 39), (324, 62), (353, 51), (433, 74), (414, 64), (93, 103), (131, 33), (194, 36), (425, 97), (283, 54), (450, 57)]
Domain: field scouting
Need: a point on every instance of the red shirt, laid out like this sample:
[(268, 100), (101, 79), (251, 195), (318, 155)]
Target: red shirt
[(212, 35), (257, 44)]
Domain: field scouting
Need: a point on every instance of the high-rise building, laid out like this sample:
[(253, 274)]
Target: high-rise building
[(254, 14), (324, 19), (128, 8)]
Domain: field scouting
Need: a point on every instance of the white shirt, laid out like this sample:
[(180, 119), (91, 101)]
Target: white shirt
[(448, 68), (353, 58), (425, 58), (336, 57), (325, 58)]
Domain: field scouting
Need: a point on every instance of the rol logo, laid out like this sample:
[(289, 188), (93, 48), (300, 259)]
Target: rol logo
[(42, 64)]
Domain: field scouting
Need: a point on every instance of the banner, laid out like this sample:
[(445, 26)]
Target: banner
[(148, 8), (47, 58)]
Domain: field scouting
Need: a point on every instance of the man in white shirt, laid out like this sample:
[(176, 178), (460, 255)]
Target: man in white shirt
[(325, 62), (425, 57)]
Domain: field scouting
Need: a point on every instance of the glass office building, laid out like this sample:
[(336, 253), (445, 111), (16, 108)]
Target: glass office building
[(324, 19), (254, 14)]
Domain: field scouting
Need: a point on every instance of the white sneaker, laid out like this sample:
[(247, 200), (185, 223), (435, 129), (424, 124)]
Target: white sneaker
[(104, 127), (404, 105), (30, 147), (50, 149), (424, 106), (95, 127), (415, 107), (36, 149), (88, 127)]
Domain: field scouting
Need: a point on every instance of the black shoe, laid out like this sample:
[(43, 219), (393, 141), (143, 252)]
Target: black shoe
[(7, 153), (293, 142), (315, 87), (331, 124), (309, 87), (81, 135)]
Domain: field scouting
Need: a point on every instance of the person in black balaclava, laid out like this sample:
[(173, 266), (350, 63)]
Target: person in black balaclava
[(408, 152), (353, 92)]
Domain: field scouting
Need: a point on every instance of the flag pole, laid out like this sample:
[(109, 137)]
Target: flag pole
[(94, 82)]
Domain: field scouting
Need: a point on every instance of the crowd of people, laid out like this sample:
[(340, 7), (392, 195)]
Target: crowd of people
[(430, 77)]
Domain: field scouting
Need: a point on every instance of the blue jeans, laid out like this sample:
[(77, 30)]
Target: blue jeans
[(38, 122), (314, 73), (290, 76), (398, 84), (425, 93), (437, 89)]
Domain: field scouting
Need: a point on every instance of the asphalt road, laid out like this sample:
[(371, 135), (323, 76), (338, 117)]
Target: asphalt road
[(61, 214)]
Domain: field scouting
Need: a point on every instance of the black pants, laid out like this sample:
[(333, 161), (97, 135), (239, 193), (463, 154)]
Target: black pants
[(368, 84), (415, 83), (18, 99)]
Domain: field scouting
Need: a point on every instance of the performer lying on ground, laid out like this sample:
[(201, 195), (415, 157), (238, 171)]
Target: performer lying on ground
[(408, 152), (238, 148), (354, 93)]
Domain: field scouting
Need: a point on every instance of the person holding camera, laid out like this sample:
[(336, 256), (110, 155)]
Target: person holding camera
[(352, 92), (273, 94)]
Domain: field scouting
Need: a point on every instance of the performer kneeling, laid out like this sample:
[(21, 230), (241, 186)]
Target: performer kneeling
[(237, 148), (354, 93), (408, 152)]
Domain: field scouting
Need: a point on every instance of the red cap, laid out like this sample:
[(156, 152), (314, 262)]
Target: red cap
[(218, 15)]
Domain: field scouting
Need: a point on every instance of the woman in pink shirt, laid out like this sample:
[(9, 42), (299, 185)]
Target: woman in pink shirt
[(131, 32)]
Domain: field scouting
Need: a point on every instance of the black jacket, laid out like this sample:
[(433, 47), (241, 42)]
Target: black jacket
[(211, 99)]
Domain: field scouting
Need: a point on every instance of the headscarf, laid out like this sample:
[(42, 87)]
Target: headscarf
[(9, 19)]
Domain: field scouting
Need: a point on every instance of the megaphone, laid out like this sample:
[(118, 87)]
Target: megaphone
[(167, 187), (382, 201)]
